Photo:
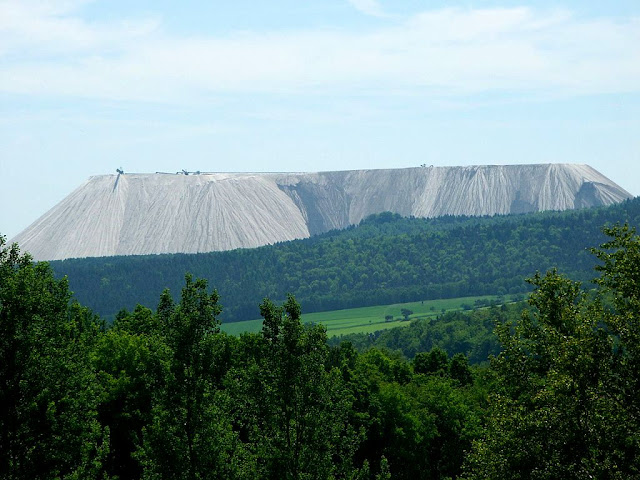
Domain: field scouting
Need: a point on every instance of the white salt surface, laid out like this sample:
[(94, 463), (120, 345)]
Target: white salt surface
[(164, 213)]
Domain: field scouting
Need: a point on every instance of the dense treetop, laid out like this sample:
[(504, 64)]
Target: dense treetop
[(165, 394)]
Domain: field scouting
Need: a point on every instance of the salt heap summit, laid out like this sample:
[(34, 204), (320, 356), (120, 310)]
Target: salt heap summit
[(138, 214)]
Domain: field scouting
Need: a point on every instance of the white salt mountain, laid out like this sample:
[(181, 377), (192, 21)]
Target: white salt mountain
[(133, 214)]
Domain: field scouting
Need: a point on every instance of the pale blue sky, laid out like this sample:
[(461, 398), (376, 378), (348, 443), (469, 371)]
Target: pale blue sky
[(89, 86)]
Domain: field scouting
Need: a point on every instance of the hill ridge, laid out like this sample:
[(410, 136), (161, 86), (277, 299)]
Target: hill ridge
[(135, 214), (385, 259)]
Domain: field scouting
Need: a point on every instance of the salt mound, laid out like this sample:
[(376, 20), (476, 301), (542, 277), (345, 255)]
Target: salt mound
[(135, 214)]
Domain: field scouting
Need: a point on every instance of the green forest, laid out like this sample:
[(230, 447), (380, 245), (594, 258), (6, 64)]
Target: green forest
[(386, 259), (470, 333), (162, 393)]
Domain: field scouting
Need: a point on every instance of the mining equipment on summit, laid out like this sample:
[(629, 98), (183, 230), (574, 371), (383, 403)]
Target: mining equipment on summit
[(216, 211)]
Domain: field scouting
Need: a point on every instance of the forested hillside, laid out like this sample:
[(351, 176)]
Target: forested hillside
[(164, 394), (386, 259), (470, 333)]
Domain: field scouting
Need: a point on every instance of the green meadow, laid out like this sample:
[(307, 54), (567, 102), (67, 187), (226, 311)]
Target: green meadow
[(371, 319)]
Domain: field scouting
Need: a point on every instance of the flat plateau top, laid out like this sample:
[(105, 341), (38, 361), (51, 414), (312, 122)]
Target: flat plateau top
[(190, 212)]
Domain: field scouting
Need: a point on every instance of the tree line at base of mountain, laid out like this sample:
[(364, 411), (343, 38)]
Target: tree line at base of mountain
[(166, 394), (470, 333), (386, 259)]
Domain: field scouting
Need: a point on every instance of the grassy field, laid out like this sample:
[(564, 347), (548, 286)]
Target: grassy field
[(371, 319)]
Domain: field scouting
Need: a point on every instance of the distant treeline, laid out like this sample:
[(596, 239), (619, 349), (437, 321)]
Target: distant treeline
[(386, 259), (467, 333)]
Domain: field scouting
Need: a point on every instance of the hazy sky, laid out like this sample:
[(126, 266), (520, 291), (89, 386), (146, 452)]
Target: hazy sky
[(291, 85)]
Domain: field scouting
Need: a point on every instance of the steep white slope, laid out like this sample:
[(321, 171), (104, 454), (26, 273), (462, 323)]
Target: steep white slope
[(156, 213), (348, 197), (164, 213)]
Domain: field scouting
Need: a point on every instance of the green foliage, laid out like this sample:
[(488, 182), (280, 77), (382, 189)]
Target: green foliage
[(166, 394), (468, 333), (459, 369), (420, 424), (369, 319), (189, 435), (130, 366), (436, 361), (384, 260), (298, 424), (48, 424), (565, 406)]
